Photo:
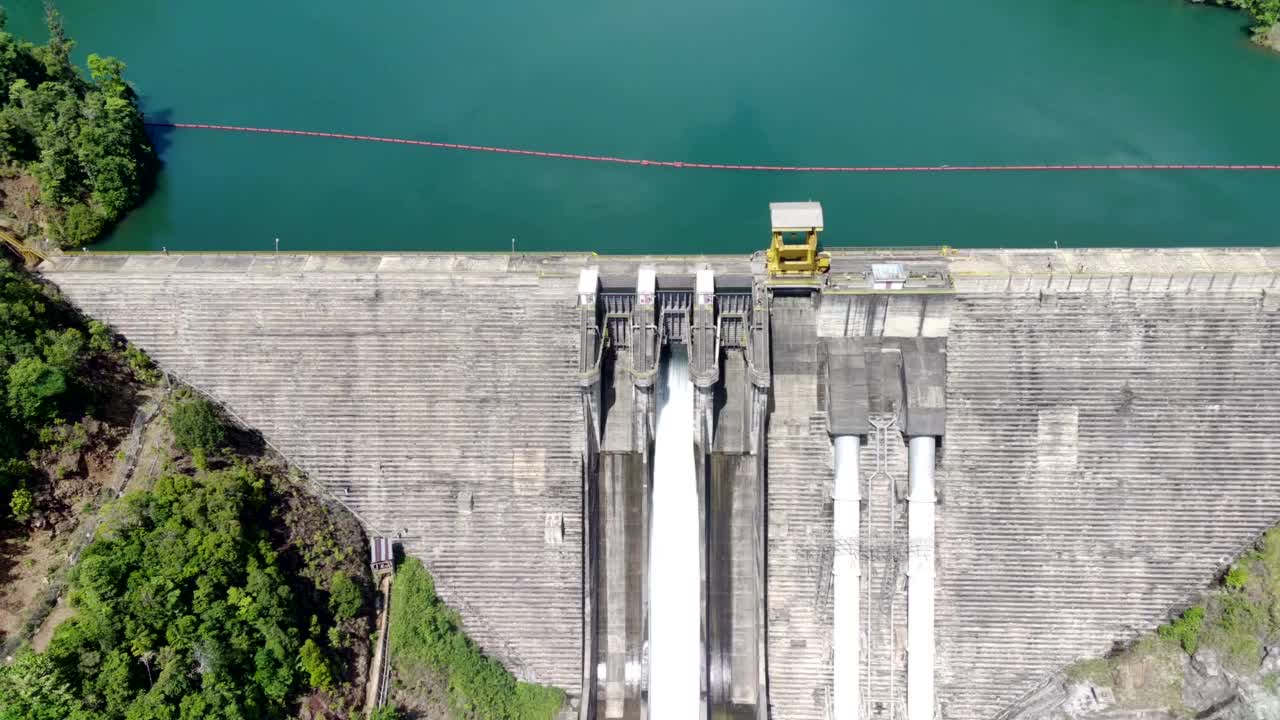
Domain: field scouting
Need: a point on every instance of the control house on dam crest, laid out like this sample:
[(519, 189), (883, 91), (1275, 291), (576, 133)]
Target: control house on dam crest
[(926, 480)]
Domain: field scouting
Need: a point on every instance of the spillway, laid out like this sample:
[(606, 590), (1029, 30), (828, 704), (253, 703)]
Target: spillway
[(674, 575)]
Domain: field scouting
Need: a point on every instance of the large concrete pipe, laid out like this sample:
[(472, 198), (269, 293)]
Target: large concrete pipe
[(920, 574), (846, 694)]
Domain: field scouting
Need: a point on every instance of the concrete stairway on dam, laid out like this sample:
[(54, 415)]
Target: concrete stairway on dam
[(440, 407), (799, 484), (1105, 455)]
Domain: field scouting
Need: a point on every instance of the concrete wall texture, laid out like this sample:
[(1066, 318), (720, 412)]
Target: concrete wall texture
[(1109, 435)]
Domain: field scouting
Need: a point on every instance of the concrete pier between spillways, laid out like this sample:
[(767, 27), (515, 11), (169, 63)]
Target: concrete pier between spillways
[(1103, 424)]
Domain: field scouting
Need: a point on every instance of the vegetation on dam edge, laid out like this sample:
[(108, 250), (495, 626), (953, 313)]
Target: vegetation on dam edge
[(1235, 625), (223, 591), (67, 386), (430, 652), (74, 151)]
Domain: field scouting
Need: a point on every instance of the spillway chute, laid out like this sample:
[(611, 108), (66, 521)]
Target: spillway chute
[(675, 639)]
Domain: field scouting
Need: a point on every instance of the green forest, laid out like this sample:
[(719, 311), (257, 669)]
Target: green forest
[(182, 612), (224, 590), (56, 371), (185, 608), (74, 151)]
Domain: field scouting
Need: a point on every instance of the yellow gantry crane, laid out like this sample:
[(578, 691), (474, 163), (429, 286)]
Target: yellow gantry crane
[(794, 250)]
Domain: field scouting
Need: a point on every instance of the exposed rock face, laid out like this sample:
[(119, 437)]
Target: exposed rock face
[(1206, 685), (1270, 661), (1210, 691), (1272, 37)]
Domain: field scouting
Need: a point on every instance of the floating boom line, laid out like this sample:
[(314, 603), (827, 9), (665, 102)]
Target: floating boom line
[(680, 164)]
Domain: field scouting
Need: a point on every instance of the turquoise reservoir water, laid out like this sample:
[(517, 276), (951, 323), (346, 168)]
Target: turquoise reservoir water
[(807, 82)]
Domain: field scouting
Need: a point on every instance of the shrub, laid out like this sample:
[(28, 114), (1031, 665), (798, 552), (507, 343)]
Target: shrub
[(100, 337), (22, 503), (426, 632), (1236, 578), (313, 662), (1237, 628), (386, 712), (196, 426), (345, 598), (62, 350), (62, 438), (80, 226), (142, 367), (35, 387), (12, 473), (1185, 629)]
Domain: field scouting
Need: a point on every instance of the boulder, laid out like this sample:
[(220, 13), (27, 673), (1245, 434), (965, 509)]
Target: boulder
[(1270, 660), (1206, 685), (1235, 708), (1082, 699), (1263, 698)]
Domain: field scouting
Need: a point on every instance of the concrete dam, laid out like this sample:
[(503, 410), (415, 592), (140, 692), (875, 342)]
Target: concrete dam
[(911, 487)]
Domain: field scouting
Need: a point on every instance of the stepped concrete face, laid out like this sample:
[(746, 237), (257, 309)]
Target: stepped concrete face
[(800, 473), (1109, 442), (434, 396), (1106, 454)]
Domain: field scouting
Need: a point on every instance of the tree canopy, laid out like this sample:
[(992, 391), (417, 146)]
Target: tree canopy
[(82, 139), (195, 426), (56, 371), (182, 611), (41, 355)]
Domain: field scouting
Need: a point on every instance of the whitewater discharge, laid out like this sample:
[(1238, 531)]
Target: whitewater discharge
[(674, 569)]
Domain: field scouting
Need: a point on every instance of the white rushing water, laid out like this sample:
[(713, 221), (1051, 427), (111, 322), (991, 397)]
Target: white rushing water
[(674, 575)]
